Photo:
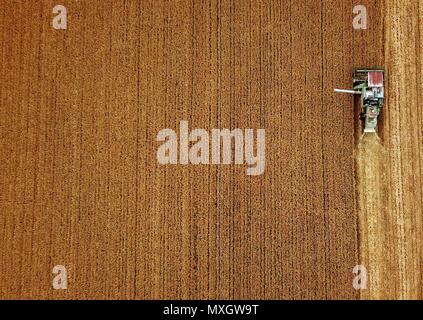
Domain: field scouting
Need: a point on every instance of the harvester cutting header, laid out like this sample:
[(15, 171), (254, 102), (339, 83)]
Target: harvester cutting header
[(369, 84)]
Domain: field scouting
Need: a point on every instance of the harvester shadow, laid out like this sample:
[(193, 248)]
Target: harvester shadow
[(373, 200)]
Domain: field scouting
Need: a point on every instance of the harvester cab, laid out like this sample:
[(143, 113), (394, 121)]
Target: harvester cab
[(369, 84)]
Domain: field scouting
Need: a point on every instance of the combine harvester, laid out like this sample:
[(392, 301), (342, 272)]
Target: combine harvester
[(369, 84)]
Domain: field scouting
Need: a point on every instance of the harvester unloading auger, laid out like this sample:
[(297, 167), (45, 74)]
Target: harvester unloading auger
[(369, 84)]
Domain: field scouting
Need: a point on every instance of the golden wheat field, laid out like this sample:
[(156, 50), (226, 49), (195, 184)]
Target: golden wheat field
[(81, 185)]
